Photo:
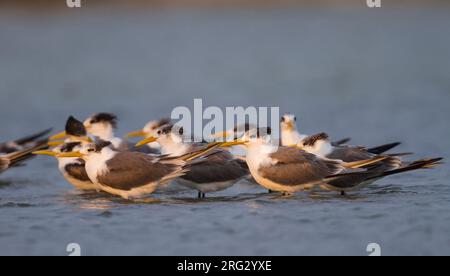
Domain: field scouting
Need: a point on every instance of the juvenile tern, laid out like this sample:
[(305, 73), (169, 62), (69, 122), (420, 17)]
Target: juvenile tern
[(218, 173)]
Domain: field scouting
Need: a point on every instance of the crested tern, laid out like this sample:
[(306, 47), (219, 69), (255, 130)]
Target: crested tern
[(131, 174), (220, 172)]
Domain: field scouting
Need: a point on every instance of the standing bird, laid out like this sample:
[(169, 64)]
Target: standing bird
[(320, 145), (219, 172), (130, 174), (291, 137), (72, 169), (102, 125), (148, 131), (289, 133), (289, 170)]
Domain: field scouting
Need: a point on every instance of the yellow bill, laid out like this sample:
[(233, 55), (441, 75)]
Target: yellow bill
[(233, 143), (221, 135), (146, 141), (58, 136), (45, 152), (70, 155), (134, 134)]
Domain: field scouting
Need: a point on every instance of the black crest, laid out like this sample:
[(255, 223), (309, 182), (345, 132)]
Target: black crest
[(162, 122), (100, 144), (68, 147), (168, 128), (311, 140), (75, 127), (104, 118)]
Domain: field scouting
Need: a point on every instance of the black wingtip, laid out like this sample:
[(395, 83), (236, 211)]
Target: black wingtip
[(384, 148), (341, 142), (416, 165), (33, 137)]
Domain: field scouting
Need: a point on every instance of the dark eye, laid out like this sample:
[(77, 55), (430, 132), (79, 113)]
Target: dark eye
[(90, 150), (159, 132), (283, 119), (92, 122), (295, 119)]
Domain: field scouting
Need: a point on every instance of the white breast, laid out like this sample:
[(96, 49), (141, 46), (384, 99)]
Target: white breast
[(291, 137), (96, 164), (321, 148)]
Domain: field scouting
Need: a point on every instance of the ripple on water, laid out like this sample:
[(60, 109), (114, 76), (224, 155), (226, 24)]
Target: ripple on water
[(16, 205)]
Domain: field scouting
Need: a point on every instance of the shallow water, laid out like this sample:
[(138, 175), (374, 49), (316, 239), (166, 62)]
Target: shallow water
[(375, 76)]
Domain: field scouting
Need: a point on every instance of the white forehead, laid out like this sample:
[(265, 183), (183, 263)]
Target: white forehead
[(151, 126), (254, 135), (87, 121), (289, 117)]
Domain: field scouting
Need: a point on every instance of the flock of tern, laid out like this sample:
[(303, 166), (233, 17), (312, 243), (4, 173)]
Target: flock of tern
[(91, 157)]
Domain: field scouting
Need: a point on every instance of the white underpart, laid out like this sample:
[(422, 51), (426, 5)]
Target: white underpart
[(82, 185), (291, 137), (206, 187), (321, 148), (105, 132), (258, 155), (173, 145)]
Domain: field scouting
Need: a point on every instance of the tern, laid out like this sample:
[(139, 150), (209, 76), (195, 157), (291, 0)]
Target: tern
[(220, 172), (15, 153), (289, 169), (17, 158), (102, 125), (320, 145), (23, 143), (291, 137), (149, 130), (131, 174), (72, 169)]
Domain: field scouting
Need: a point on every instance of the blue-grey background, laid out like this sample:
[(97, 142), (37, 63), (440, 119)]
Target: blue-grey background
[(376, 75)]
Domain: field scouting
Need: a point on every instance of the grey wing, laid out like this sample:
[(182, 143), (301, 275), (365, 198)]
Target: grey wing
[(221, 166), (77, 171), (127, 146), (128, 170), (350, 154), (296, 167)]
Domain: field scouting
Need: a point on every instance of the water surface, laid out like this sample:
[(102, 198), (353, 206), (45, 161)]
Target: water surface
[(375, 76)]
